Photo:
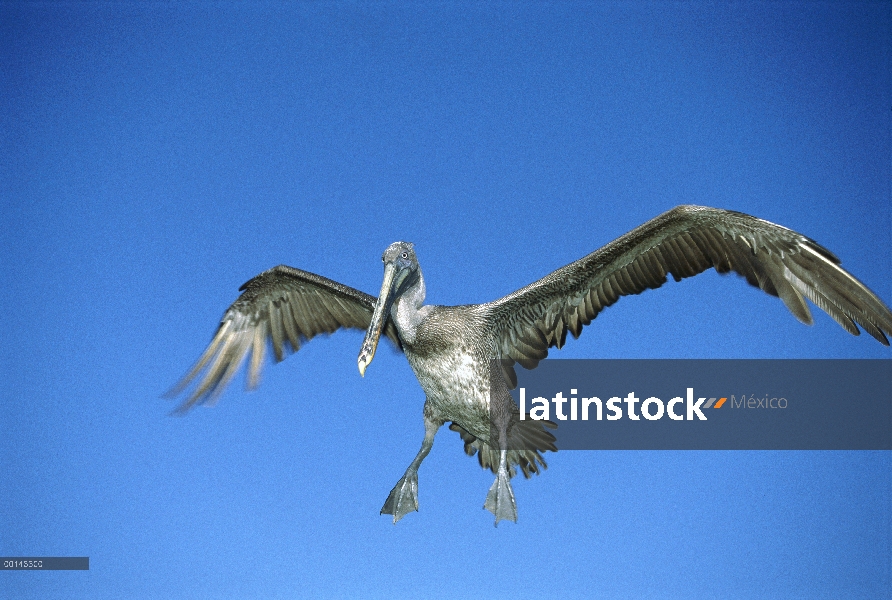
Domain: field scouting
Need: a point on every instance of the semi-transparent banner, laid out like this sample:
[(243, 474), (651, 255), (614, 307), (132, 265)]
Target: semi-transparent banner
[(710, 404)]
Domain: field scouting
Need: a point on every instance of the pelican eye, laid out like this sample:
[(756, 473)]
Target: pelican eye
[(405, 255)]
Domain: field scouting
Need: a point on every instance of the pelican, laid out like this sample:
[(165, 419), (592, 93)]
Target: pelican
[(464, 356)]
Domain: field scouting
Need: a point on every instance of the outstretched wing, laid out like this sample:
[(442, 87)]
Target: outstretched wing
[(684, 241), (284, 306)]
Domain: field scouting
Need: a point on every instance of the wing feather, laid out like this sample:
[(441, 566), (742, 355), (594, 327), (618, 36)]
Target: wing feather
[(280, 307), (683, 242)]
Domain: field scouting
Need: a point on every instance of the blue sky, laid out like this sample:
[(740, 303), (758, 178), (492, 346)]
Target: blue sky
[(153, 157)]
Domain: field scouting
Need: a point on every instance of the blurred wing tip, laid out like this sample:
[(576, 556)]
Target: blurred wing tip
[(180, 411), (175, 391), (185, 406)]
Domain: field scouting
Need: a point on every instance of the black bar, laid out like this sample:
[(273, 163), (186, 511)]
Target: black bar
[(45, 563)]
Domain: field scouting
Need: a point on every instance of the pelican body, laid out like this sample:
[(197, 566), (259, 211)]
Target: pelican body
[(464, 356)]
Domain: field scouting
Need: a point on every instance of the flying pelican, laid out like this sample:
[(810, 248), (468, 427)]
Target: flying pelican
[(464, 356)]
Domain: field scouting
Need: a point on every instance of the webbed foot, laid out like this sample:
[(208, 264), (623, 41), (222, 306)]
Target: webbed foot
[(500, 499), (403, 498)]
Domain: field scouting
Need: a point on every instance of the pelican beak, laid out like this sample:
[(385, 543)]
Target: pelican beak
[(379, 317)]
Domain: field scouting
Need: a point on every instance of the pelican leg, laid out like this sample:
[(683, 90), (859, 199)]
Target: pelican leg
[(403, 498), (500, 499)]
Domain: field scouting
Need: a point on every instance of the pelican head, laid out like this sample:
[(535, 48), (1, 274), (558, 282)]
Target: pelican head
[(400, 274)]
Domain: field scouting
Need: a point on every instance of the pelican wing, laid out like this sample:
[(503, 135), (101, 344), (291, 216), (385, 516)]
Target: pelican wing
[(283, 306), (683, 242)]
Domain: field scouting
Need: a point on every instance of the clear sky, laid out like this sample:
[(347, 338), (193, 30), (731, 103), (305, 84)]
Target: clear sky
[(154, 156)]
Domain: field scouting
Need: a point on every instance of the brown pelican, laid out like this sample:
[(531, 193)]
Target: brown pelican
[(463, 356)]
